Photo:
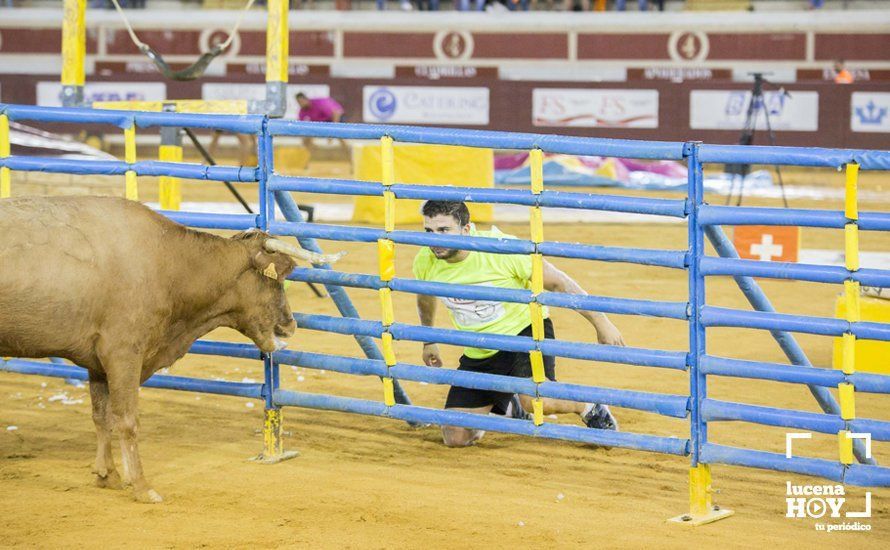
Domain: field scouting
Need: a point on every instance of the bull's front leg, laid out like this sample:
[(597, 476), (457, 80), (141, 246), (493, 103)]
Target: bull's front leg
[(124, 376), (106, 473)]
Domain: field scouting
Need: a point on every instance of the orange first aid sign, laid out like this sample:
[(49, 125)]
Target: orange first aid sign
[(768, 243)]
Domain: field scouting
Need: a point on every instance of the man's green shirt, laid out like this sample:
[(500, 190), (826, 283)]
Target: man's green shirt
[(485, 269)]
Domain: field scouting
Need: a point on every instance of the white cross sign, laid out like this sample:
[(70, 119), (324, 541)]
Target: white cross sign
[(766, 250)]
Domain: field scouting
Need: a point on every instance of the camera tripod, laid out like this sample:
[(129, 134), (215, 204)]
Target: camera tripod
[(756, 103)]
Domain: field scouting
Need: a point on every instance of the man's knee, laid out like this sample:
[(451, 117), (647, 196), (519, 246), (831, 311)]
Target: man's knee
[(459, 437)]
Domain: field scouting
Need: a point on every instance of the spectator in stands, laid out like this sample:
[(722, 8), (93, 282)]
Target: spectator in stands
[(320, 109), (643, 5), (816, 4), (841, 74)]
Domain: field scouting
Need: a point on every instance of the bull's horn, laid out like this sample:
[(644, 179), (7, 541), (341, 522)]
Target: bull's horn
[(276, 245)]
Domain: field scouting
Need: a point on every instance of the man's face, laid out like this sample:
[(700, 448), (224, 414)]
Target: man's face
[(303, 101), (444, 224)]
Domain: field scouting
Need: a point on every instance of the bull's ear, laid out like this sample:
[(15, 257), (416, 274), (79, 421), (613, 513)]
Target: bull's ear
[(273, 266)]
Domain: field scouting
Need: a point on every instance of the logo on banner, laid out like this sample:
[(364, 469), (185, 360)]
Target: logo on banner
[(595, 108), (382, 104), (210, 38), (870, 112), (825, 501), (728, 109)]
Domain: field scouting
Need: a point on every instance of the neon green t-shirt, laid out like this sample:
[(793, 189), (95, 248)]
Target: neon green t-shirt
[(481, 268)]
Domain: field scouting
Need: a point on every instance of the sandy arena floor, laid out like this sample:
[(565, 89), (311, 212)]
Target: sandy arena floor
[(364, 482)]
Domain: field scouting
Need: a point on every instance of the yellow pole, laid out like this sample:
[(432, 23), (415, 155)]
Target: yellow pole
[(132, 190), (170, 194), (846, 391), (277, 42), (536, 310), (74, 40), (5, 176), (386, 260)]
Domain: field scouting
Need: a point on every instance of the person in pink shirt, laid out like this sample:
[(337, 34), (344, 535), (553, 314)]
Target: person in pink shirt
[(322, 109)]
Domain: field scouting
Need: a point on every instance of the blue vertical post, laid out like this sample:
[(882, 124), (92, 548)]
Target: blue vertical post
[(273, 445), (697, 385)]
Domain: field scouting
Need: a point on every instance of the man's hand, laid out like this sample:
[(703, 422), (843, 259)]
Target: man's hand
[(431, 357), (607, 333)]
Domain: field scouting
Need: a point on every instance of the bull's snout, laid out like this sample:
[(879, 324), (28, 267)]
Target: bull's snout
[(286, 329)]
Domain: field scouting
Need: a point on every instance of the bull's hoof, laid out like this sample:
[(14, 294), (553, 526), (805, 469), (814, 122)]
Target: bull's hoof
[(110, 481), (148, 496)]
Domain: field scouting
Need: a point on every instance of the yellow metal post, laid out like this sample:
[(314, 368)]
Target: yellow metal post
[(74, 42), (276, 57), (536, 310), (386, 263), (273, 442), (846, 391), (132, 190), (5, 176), (169, 192), (701, 509)]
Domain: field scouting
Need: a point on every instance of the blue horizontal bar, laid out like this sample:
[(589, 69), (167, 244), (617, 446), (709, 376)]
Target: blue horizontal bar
[(725, 317), (623, 306), (466, 292), (226, 349), (338, 278), (672, 310), (723, 366), (181, 383), (585, 201), (118, 168), (577, 350), (755, 215), (722, 454), (878, 429), (484, 138), (662, 258), (76, 115), (870, 383), (668, 405), (831, 274), (793, 156), (641, 256), (714, 411), (667, 445), (245, 124), (237, 222), (863, 475)]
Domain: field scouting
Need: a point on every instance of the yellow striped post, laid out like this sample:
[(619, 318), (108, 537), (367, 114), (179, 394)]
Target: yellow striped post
[(845, 447), (277, 41), (536, 310), (74, 43), (386, 263), (847, 391), (169, 191), (132, 190), (5, 176)]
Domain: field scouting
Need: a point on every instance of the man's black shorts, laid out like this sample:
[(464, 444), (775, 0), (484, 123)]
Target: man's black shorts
[(507, 363)]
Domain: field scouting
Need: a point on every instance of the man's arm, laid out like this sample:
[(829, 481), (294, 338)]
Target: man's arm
[(426, 310), (557, 281)]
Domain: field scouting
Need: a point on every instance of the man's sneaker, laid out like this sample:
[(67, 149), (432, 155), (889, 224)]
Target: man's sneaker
[(600, 417)]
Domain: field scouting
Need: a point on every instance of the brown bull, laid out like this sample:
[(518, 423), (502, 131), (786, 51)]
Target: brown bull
[(123, 292)]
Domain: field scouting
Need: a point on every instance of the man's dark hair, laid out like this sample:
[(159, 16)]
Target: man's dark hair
[(455, 209), (301, 95)]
